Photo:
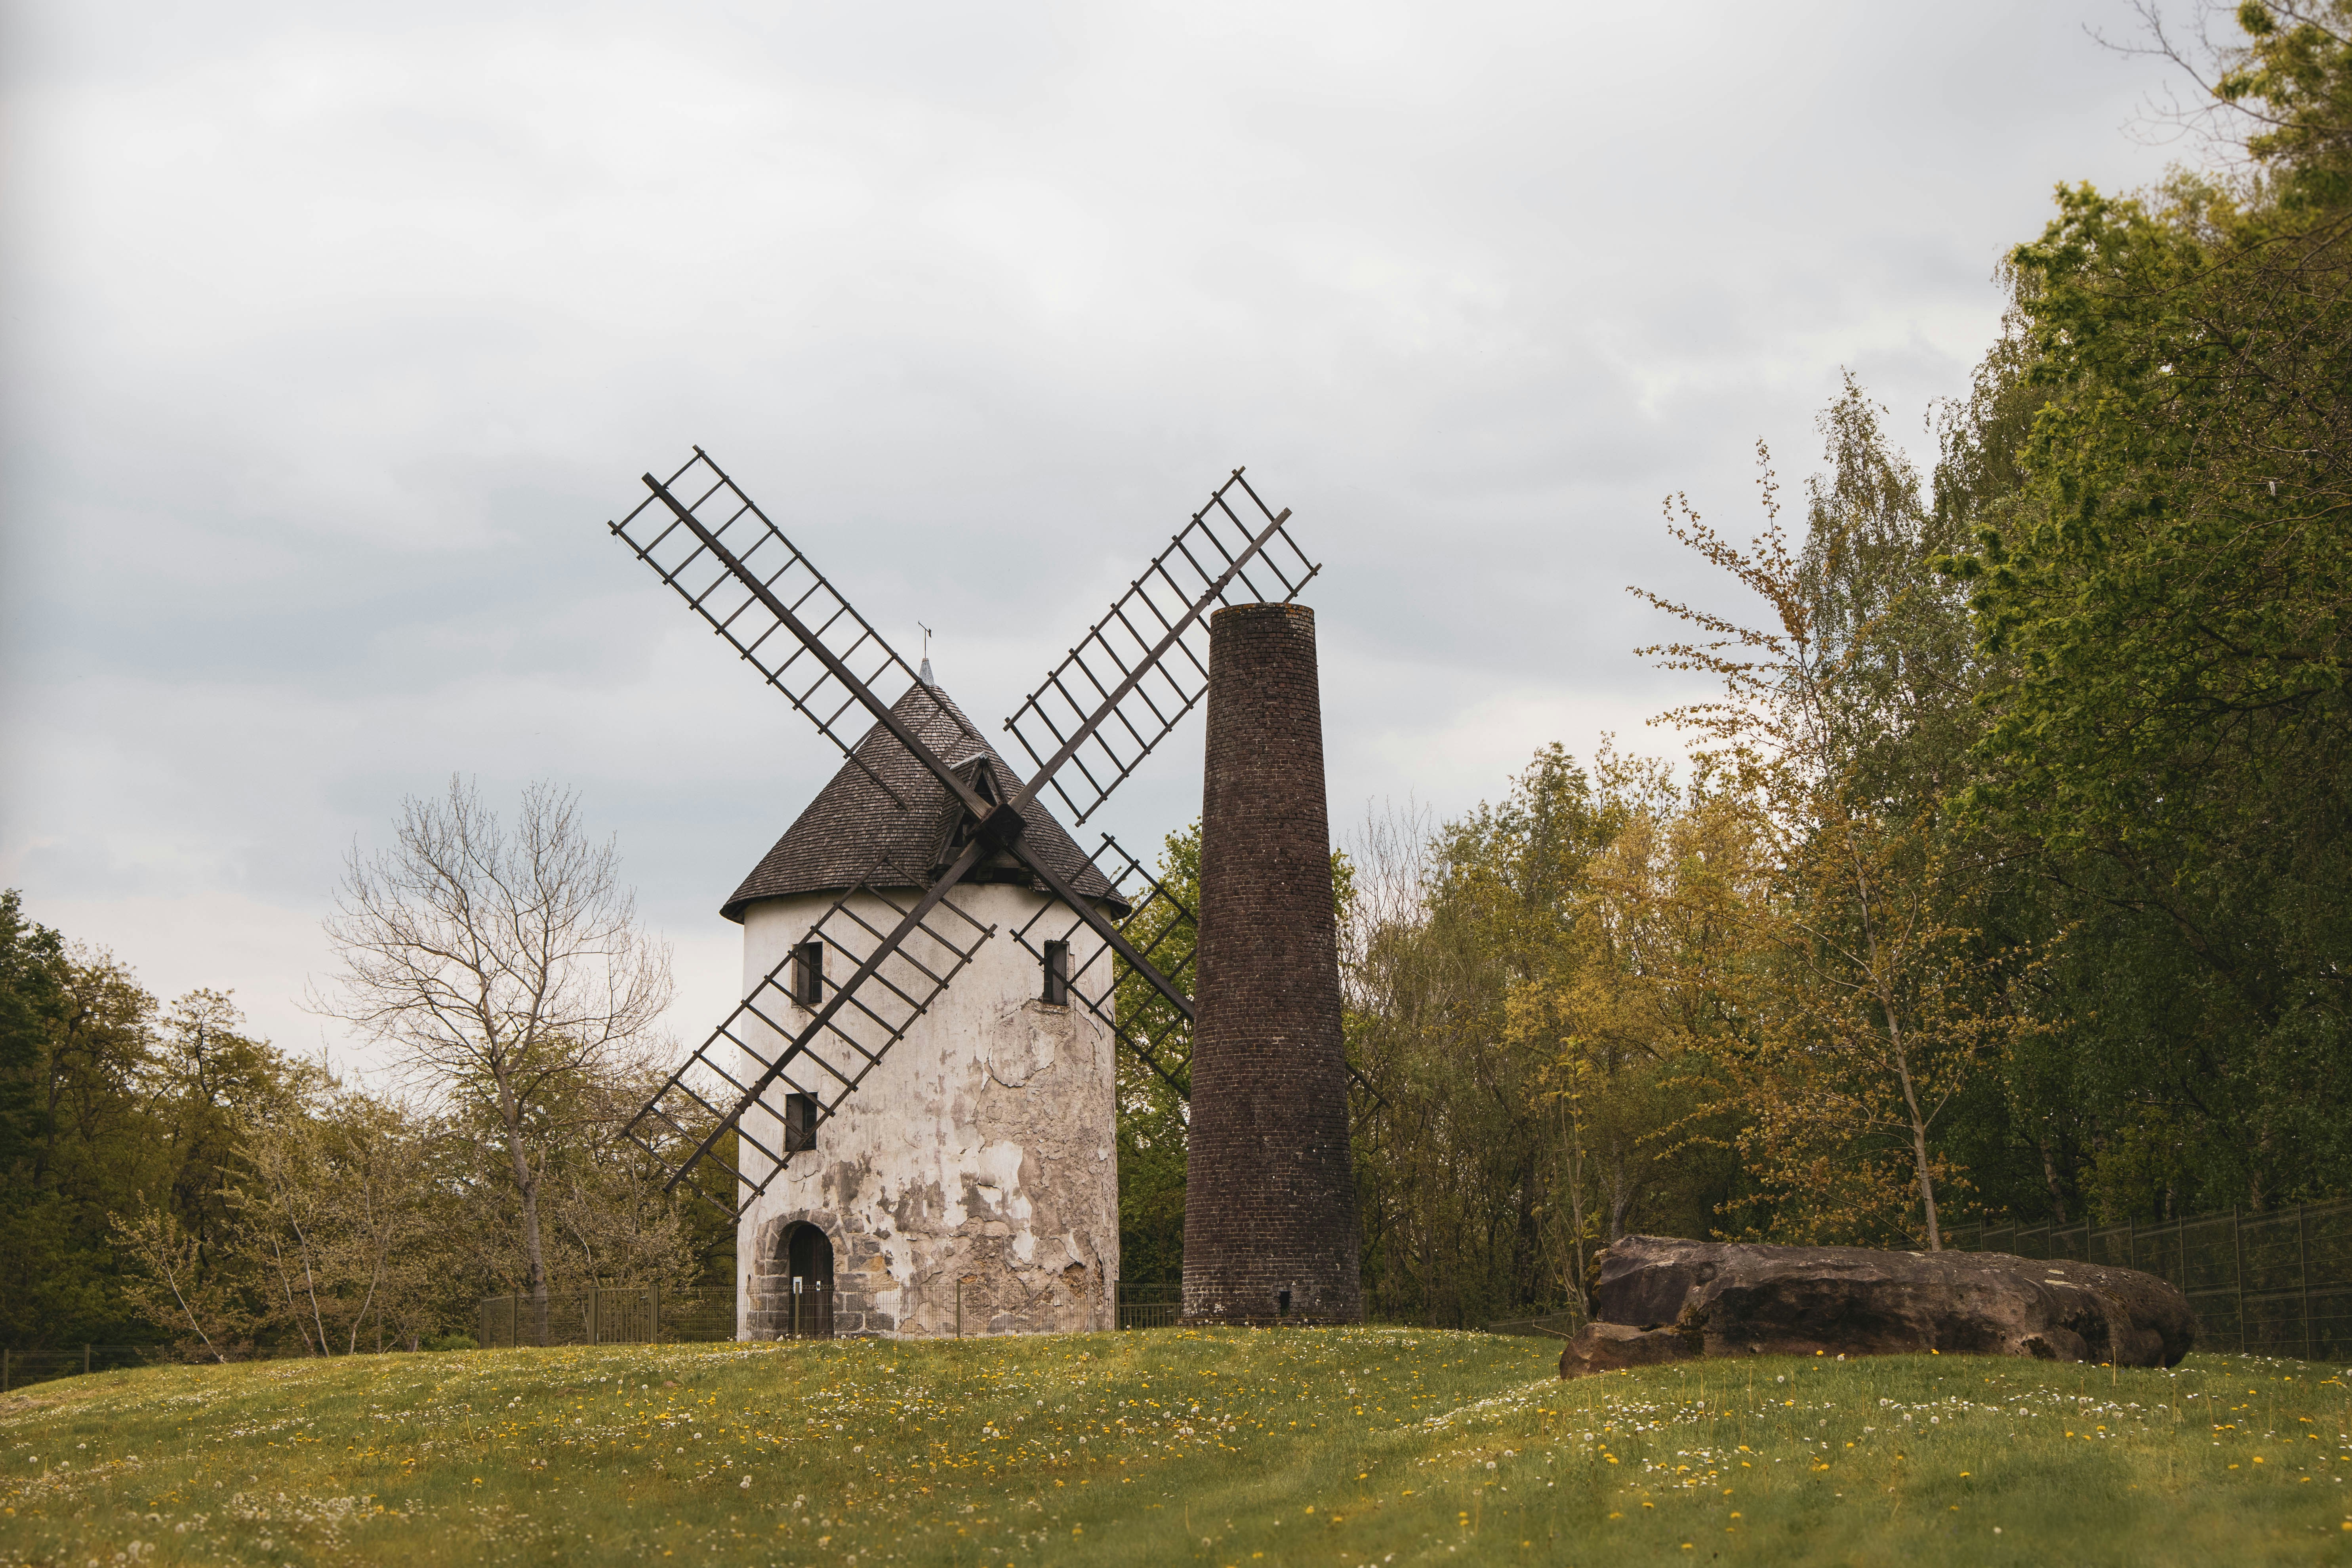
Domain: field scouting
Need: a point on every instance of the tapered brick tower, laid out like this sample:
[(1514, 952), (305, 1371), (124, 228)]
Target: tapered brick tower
[(1270, 1232)]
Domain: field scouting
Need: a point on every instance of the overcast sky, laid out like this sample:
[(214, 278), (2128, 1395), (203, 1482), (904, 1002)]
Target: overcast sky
[(334, 335)]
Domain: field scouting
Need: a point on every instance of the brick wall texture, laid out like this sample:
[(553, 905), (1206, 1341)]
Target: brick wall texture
[(1269, 1191)]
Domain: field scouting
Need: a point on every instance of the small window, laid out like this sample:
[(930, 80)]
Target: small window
[(800, 1122), (1057, 973), (808, 973)]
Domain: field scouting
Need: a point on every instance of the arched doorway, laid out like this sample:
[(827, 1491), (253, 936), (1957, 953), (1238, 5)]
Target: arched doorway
[(808, 1262), (808, 1255)]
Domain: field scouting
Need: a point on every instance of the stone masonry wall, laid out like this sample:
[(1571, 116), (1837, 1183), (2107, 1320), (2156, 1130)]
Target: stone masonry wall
[(1270, 1202), (977, 1162)]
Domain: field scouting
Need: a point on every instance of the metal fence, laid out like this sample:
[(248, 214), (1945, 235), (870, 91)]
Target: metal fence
[(808, 1311), (1150, 1306), (19, 1368), (1560, 1325), (1160, 1306), (2275, 1283), (607, 1315)]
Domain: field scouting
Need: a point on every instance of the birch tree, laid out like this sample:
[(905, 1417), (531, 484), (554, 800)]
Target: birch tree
[(1874, 1000)]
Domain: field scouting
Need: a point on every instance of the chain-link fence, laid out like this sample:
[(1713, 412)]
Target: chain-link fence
[(607, 1315), (2275, 1283)]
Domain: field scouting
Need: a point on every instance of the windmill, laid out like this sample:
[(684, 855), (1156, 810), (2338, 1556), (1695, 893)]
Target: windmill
[(909, 883)]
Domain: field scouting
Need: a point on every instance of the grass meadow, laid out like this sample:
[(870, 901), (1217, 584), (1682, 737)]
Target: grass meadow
[(1240, 1448)]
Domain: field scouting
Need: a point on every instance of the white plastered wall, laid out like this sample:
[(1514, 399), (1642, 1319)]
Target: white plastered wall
[(981, 1152)]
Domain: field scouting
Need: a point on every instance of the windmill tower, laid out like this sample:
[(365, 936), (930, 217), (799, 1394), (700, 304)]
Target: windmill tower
[(972, 1184), (912, 1128)]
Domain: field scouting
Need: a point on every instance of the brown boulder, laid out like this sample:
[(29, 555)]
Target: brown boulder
[(1663, 1299)]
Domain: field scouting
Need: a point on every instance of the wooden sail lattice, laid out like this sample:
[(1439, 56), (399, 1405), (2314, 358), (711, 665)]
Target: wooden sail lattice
[(774, 1044), (720, 594), (1149, 657), (1160, 921)]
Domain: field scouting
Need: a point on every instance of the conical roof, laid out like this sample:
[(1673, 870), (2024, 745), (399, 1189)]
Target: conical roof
[(853, 824)]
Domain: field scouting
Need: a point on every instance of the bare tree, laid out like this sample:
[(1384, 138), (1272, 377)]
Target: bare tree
[(505, 970)]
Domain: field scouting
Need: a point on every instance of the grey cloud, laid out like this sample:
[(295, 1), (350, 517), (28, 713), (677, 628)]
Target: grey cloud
[(335, 338)]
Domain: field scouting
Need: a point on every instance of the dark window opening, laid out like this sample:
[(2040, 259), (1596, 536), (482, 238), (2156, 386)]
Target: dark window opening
[(982, 779), (1281, 1303), (1057, 973), (808, 973), (800, 1122)]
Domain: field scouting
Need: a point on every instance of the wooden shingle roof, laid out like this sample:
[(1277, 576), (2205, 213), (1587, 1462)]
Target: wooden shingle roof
[(853, 823)]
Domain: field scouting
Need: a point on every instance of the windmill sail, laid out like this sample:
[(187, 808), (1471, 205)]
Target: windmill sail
[(1144, 666), (1160, 926), (773, 1045), (721, 593)]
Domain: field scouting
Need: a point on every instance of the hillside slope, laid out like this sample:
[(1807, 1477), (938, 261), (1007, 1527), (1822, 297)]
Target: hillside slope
[(1246, 1450)]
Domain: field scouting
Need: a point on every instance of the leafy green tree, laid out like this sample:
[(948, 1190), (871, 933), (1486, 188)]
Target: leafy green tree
[(2160, 570), (32, 1007), (1152, 1097), (1518, 995), (36, 1243)]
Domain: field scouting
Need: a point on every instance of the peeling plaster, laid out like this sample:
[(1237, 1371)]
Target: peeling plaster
[(979, 1151)]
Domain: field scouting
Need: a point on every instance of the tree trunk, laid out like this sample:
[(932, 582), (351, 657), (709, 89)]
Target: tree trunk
[(526, 1188), (2049, 1179), (1576, 1215), (1921, 1164), (534, 1256)]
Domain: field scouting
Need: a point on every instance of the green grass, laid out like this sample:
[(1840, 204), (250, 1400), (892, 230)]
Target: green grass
[(1244, 1449)]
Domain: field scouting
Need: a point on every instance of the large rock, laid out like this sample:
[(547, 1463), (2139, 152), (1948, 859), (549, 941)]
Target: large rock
[(1663, 1299)]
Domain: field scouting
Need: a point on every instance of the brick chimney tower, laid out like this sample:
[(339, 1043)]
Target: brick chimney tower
[(1270, 1230)]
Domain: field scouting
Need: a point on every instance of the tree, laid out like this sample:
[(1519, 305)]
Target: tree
[(205, 1086), (1636, 999), (1516, 997), (1842, 728), (505, 970), (1152, 1102), (2161, 582), (35, 1236), (339, 1215), (606, 1218), (169, 1166), (170, 1286), (32, 1007)]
